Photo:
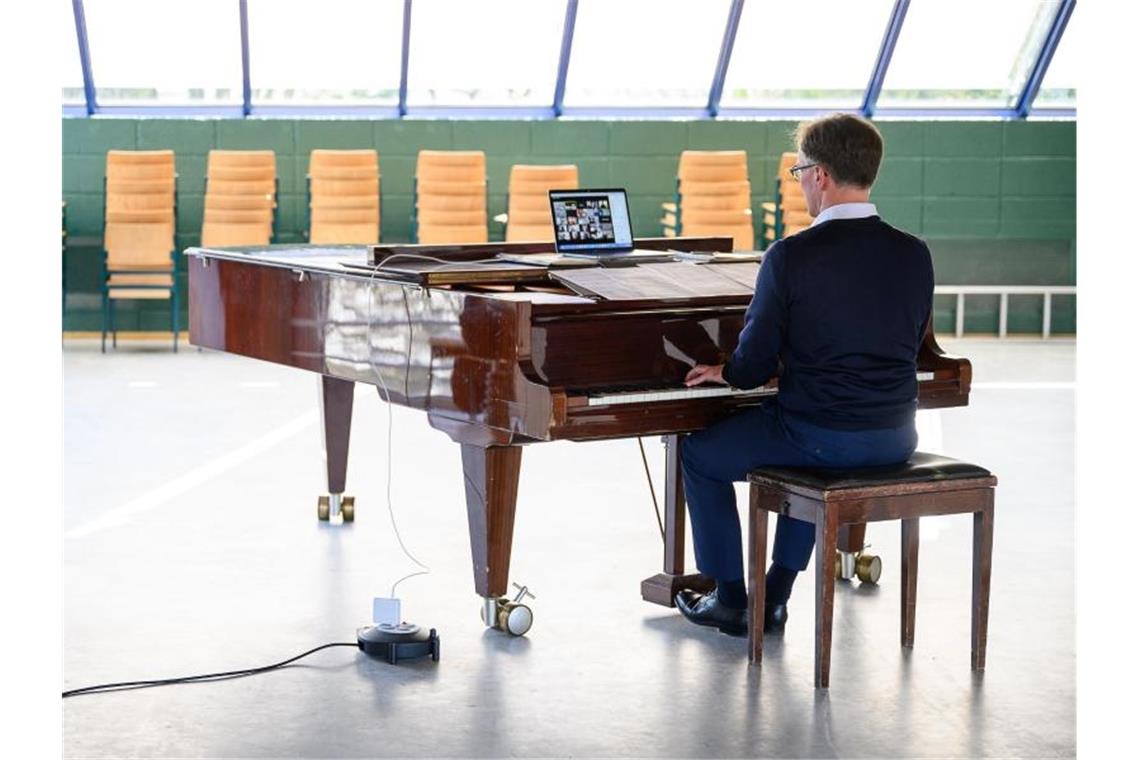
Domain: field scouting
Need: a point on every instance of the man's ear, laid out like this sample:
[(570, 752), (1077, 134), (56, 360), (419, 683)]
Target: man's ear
[(825, 180)]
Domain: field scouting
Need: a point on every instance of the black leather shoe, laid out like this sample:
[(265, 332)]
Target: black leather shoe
[(706, 609), (775, 617)]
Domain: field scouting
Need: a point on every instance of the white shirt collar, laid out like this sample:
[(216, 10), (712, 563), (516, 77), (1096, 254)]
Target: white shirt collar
[(845, 211)]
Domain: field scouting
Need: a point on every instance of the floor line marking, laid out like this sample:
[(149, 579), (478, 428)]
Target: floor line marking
[(157, 497)]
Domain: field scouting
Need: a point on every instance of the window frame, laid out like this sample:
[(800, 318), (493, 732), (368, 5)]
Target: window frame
[(1023, 108)]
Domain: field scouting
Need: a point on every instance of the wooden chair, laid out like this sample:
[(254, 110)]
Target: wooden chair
[(925, 485), (241, 198), (450, 197), (344, 197), (713, 197), (528, 203), (788, 213), (138, 235)]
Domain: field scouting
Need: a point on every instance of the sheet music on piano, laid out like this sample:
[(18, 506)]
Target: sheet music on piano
[(662, 281)]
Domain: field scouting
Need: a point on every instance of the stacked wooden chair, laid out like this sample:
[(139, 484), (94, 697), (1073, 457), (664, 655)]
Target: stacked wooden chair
[(450, 203), (241, 198), (788, 213), (528, 202), (344, 197), (138, 239), (714, 197)]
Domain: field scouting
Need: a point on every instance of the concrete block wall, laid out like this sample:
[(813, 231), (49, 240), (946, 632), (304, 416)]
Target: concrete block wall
[(996, 201)]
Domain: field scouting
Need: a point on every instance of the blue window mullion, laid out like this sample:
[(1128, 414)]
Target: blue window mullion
[(1044, 57), (883, 62), (564, 55), (725, 57), (403, 105), (246, 91), (85, 57)]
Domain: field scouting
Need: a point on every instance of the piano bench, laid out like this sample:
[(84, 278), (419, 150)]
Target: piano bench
[(925, 485)]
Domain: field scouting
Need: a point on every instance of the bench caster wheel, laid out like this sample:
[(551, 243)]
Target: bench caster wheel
[(868, 567), (323, 508), (348, 509)]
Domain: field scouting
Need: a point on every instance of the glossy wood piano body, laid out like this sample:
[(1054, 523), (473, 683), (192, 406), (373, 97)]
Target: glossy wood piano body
[(496, 362)]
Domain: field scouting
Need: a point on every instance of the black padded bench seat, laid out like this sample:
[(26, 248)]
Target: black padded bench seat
[(921, 467), (925, 485)]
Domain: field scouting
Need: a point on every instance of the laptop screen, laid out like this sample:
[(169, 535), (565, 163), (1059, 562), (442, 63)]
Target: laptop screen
[(591, 221)]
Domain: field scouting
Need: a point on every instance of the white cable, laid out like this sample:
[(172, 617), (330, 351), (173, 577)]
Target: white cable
[(388, 401), (384, 386)]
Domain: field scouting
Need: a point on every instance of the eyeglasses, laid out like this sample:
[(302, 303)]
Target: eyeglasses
[(795, 170)]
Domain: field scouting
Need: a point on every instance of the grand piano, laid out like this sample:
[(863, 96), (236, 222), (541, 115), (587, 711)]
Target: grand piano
[(505, 352)]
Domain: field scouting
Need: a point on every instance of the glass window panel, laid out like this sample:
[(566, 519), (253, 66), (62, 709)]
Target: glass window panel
[(72, 72), (645, 52), (1059, 87), (495, 52), (772, 66), (336, 52), (966, 53), (146, 52)]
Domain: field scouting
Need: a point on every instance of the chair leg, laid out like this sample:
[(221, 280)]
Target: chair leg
[(103, 337), (983, 556), (757, 560), (909, 579), (826, 538), (174, 316)]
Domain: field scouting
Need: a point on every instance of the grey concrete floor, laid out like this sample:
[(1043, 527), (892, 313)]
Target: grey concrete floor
[(191, 545)]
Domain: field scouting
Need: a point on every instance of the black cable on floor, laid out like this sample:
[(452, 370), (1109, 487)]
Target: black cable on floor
[(105, 687), (652, 493)]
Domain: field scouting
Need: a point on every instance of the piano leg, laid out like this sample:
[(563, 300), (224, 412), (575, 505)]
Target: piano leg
[(336, 423), (661, 588), (491, 483)]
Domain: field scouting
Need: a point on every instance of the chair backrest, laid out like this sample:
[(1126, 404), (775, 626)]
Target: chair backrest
[(241, 195), (344, 197), (528, 207), (141, 165), (139, 245), (793, 204), (713, 165), (715, 195), (451, 197), (139, 209)]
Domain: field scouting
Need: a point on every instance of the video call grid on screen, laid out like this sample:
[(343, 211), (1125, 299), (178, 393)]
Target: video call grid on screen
[(591, 221)]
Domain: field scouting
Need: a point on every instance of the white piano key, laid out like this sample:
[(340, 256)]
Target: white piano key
[(675, 394)]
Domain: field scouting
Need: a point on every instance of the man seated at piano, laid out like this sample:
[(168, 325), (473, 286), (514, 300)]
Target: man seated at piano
[(841, 309)]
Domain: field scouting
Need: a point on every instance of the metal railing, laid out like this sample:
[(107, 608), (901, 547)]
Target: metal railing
[(1004, 291)]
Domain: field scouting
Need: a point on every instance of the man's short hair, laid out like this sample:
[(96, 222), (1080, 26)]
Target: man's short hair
[(848, 146)]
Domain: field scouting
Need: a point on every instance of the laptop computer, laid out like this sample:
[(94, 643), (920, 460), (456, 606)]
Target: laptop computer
[(591, 223)]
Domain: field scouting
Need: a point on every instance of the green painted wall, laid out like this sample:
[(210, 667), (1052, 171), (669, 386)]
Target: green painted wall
[(996, 201)]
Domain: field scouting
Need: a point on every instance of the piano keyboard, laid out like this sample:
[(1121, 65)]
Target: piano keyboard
[(685, 394)]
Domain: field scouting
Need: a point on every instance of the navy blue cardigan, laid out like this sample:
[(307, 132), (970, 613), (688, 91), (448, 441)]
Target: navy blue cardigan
[(843, 307)]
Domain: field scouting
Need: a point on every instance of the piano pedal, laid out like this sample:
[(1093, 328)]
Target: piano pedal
[(867, 567), (509, 616), (328, 507)]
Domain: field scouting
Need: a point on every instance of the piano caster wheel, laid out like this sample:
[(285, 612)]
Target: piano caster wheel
[(330, 506), (868, 567), (511, 617)]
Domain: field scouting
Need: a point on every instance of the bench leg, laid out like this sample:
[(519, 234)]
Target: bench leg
[(983, 554), (757, 561), (826, 536), (909, 579)]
